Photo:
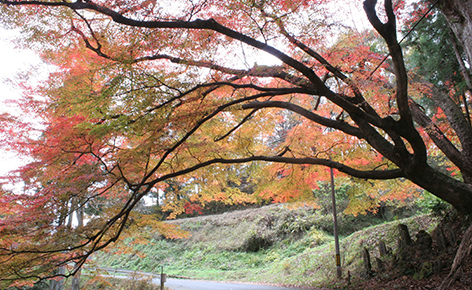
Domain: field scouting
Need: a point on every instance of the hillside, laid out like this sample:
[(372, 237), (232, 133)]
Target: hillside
[(275, 244)]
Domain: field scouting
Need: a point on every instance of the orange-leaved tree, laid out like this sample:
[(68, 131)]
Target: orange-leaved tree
[(148, 91)]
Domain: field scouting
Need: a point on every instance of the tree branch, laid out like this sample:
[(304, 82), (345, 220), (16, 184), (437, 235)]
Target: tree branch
[(443, 143), (359, 99), (209, 24), (343, 126), (366, 174), (244, 120), (404, 127)]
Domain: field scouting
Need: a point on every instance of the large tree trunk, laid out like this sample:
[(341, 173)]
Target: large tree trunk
[(459, 16), (414, 162), (453, 191)]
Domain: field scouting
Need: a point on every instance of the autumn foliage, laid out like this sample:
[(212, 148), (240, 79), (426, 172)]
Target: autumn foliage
[(200, 101)]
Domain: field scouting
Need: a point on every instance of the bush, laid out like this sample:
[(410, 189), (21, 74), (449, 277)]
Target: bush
[(255, 243), (131, 283), (432, 204)]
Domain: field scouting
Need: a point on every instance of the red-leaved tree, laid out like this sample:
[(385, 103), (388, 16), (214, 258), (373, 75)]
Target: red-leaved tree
[(148, 91)]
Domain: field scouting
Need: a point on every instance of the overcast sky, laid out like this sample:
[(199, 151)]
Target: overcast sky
[(12, 62)]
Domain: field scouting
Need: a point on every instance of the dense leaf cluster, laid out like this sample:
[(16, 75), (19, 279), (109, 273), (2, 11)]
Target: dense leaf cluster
[(192, 102)]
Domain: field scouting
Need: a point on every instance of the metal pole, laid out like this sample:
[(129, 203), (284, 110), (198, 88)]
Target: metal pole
[(335, 222)]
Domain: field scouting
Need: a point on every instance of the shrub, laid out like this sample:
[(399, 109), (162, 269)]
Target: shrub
[(255, 243), (131, 283)]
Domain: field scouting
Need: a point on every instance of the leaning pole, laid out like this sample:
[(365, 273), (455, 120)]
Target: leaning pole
[(335, 225)]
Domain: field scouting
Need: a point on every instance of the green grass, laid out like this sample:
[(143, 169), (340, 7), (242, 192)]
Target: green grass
[(292, 246)]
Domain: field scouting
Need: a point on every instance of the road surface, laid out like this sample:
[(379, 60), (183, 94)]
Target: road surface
[(184, 284), (179, 284)]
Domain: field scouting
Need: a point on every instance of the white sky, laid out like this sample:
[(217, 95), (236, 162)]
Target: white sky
[(12, 62)]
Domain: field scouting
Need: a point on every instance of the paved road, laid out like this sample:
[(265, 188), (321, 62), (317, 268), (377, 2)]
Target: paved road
[(179, 284), (183, 284)]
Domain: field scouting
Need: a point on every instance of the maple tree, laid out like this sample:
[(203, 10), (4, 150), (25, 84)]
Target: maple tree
[(146, 92)]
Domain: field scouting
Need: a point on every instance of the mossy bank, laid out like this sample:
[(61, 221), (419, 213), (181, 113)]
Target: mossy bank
[(276, 244)]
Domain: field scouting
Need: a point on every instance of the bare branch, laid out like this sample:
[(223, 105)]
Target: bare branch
[(244, 120), (404, 127), (367, 174), (340, 125)]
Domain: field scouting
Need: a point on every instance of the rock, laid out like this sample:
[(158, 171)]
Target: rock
[(405, 239), (439, 239), (383, 251), (367, 273), (379, 265), (423, 245)]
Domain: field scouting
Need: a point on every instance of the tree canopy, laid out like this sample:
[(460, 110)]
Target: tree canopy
[(210, 95)]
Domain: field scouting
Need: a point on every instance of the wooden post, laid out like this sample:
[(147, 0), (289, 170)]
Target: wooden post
[(163, 278)]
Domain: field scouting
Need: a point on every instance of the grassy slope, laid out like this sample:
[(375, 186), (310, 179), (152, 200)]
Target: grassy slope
[(273, 244)]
